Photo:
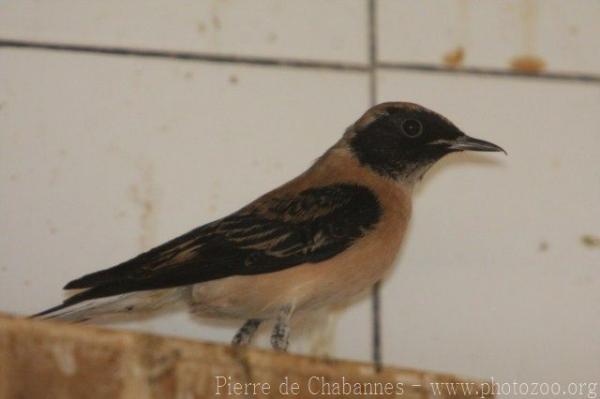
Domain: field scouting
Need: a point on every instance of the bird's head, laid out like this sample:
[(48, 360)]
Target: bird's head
[(402, 140)]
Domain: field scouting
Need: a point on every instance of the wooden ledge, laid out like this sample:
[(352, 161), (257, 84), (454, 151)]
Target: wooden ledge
[(44, 359)]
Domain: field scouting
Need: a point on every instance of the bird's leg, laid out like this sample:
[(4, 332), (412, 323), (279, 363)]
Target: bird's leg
[(245, 333), (281, 331)]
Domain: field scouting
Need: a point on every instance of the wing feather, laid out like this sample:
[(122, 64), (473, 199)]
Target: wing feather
[(269, 235)]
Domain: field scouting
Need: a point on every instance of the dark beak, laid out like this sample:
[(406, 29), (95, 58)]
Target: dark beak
[(466, 143)]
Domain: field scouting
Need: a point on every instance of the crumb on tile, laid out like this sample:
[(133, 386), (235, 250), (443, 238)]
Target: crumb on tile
[(590, 241), (528, 64), (454, 58)]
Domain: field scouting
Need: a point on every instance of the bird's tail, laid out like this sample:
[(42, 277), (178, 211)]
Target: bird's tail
[(115, 307)]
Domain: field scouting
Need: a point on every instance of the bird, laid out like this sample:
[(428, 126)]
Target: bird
[(319, 240)]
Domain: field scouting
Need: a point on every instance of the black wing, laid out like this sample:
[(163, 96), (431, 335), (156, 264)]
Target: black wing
[(269, 235)]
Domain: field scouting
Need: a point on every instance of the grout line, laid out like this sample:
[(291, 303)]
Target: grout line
[(372, 32), (187, 56), (492, 72), (376, 293), (298, 63)]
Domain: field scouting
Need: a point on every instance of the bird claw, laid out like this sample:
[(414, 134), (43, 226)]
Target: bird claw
[(281, 330), (245, 333)]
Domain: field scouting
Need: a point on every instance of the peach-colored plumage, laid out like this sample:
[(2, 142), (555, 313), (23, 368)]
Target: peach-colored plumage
[(333, 281), (321, 239)]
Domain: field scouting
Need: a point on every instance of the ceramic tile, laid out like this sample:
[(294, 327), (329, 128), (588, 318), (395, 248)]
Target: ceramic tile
[(495, 272), (546, 35), (332, 30), (103, 157)]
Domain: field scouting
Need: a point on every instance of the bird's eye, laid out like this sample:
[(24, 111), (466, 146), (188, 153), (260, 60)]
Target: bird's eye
[(412, 128)]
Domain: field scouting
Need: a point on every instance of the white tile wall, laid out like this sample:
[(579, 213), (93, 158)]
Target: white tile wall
[(494, 279), (562, 34), (331, 30), (103, 156)]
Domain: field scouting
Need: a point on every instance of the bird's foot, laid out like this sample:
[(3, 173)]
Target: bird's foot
[(281, 331), (245, 333)]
